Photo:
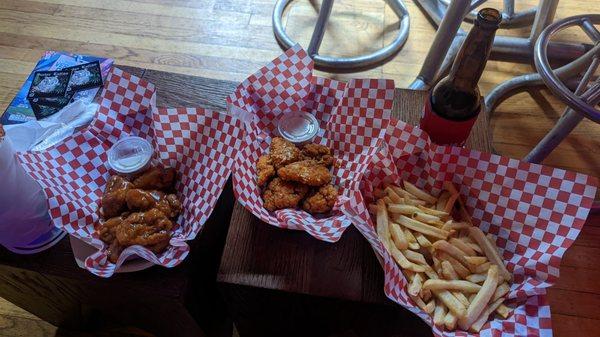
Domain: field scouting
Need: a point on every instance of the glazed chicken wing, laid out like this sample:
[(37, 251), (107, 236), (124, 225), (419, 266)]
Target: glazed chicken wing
[(283, 152), (156, 178), (283, 194), (264, 169), (147, 229), (320, 153), (116, 182), (308, 172), (321, 200), (169, 205), (114, 200)]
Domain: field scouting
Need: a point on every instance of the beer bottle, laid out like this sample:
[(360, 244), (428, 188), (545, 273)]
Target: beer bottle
[(454, 103)]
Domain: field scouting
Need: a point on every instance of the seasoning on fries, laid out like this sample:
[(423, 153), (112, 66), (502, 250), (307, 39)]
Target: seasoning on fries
[(455, 271)]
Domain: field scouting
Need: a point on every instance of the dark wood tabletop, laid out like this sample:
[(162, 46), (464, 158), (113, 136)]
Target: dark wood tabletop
[(182, 301), (328, 288), (261, 261)]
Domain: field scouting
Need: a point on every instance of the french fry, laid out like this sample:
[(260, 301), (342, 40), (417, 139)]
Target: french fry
[(502, 290), (503, 310), (442, 200), (412, 241), (403, 261), (454, 305), (483, 317), (476, 248), (415, 257), (432, 211), (419, 302), (490, 251), (448, 271), (373, 209), (415, 202), (450, 225), (476, 260), (392, 195), (462, 246), (461, 270), (438, 314), (450, 321), (460, 285), (424, 217), (461, 298), (430, 307), (456, 253), (422, 240), (398, 236), (419, 193), (450, 203), (481, 299), (382, 223), (403, 209), (482, 268), (415, 285), (421, 227), (388, 200), (403, 193), (476, 278)]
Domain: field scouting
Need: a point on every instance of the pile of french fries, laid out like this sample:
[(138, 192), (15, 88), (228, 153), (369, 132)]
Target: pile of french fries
[(455, 272)]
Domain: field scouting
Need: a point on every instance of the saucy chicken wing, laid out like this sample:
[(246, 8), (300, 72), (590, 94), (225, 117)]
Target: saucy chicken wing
[(283, 194), (156, 178), (283, 152), (321, 200), (308, 172)]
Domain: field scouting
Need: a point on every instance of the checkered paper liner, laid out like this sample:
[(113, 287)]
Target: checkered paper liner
[(534, 212), (200, 144), (353, 118)]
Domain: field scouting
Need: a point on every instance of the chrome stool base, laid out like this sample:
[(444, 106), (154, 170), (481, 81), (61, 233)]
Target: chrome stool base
[(342, 64)]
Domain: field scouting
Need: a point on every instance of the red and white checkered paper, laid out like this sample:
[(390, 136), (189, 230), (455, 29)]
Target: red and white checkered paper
[(200, 144), (353, 118), (533, 211)]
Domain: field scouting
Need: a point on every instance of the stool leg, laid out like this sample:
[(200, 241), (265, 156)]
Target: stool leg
[(317, 36), (567, 122), (543, 17), (444, 36)]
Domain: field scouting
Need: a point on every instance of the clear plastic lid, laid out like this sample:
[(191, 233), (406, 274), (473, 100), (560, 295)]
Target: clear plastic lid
[(298, 127), (130, 154)]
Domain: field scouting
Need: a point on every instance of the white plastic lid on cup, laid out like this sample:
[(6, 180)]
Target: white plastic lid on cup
[(298, 127), (130, 154)]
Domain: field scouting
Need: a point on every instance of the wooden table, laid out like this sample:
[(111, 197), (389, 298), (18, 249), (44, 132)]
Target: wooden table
[(275, 282), (181, 301), (285, 283)]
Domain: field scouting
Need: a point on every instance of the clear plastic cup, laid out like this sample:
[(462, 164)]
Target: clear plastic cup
[(130, 155)]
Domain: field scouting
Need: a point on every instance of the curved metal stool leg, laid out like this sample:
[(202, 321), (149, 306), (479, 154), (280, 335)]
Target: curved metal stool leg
[(342, 63), (569, 120)]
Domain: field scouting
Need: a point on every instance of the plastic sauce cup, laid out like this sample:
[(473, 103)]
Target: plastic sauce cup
[(298, 127), (130, 155)]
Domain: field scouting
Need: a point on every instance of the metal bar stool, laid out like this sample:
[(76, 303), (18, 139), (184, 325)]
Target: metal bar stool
[(344, 64), (581, 102), (449, 37)]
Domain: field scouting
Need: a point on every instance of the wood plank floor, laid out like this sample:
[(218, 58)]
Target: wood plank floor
[(230, 39)]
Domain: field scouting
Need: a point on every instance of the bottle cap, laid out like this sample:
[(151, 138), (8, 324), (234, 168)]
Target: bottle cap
[(298, 127), (130, 154)]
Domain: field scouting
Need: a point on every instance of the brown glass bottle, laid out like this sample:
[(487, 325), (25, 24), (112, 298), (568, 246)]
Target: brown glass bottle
[(455, 101)]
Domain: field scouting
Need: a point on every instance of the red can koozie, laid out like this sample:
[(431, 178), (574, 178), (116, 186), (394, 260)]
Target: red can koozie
[(444, 131)]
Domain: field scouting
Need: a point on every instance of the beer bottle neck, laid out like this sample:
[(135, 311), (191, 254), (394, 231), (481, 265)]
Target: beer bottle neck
[(472, 57)]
